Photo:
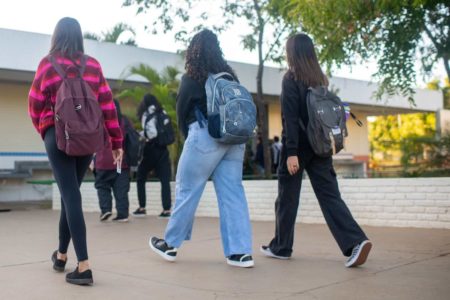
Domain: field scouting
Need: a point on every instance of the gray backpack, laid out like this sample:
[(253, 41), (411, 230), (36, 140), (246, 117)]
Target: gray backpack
[(326, 129), (231, 111)]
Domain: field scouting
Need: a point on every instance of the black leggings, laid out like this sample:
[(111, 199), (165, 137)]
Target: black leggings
[(69, 172)]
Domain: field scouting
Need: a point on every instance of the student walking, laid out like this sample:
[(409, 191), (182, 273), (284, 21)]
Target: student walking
[(109, 178), (276, 153), (156, 155), (203, 157), (68, 72), (297, 155)]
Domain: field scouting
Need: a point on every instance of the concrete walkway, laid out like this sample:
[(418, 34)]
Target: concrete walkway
[(405, 263)]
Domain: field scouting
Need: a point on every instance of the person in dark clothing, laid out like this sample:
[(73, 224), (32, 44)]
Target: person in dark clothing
[(276, 153), (202, 158), (107, 179), (156, 157), (297, 155), (259, 157)]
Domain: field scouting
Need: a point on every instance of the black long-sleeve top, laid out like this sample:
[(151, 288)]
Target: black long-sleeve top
[(191, 94), (293, 108)]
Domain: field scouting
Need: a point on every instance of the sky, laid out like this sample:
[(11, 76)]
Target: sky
[(98, 16)]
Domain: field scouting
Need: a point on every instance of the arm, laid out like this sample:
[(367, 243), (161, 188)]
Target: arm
[(37, 98), (105, 100), (183, 105), (290, 107)]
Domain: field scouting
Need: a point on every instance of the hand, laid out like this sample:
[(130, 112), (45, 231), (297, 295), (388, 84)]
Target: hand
[(293, 165), (91, 166), (117, 156)]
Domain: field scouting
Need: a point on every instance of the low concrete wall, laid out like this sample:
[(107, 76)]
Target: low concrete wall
[(400, 202)]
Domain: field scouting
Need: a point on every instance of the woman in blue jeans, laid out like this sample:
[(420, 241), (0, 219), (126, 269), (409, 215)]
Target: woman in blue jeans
[(202, 158)]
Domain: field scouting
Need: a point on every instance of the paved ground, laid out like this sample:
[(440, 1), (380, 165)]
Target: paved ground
[(405, 264)]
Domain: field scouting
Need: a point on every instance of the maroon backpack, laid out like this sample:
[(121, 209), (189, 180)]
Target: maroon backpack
[(79, 124)]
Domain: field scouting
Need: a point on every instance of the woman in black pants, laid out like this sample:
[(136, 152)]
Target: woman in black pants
[(67, 56), (297, 155), (156, 157)]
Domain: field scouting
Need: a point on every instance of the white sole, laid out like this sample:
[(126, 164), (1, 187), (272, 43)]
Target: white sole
[(361, 256), (244, 264), (160, 253), (139, 216), (269, 253)]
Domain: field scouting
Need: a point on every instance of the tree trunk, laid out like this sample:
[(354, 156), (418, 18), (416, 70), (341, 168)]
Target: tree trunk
[(263, 120), (446, 65)]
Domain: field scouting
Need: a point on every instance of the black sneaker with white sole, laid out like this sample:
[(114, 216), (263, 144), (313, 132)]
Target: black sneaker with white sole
[(105, 216), (140, 212), (120, 219), (83, 278), (241, 260), (160, 247), (359, 254), (268, 252)]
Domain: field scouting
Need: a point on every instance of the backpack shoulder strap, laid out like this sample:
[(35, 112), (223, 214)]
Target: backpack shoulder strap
[(222, 74), (57, 66)]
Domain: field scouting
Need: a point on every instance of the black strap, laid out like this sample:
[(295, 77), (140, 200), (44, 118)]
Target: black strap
[(358, 122)]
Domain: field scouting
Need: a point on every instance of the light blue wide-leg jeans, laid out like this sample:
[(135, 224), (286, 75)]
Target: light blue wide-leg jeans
[(203, 157)]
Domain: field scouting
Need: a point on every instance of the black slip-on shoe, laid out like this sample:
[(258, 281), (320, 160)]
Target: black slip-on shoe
[(140, 212), (58, 264), (164, 215), (83, 278)]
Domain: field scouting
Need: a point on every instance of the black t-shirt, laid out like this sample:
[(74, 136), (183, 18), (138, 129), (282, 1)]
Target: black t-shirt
[(191, 94)]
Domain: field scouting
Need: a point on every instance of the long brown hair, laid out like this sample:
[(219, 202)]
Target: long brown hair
[(302, 61), (205, 56), (67, 38)]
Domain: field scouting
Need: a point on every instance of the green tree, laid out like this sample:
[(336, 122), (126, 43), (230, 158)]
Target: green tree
[(444, 87), (394, 33), (266, 32), (112, 35), (163, 86)]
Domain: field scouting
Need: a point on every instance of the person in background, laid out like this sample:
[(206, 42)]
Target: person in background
[(203, 157), (259, 157), (297, 155), (276, 152), (156, 157), (110, 178), (67, 53)]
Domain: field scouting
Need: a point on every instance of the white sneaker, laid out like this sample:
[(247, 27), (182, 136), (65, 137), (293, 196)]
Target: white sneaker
[(359, 254), (267, 252)]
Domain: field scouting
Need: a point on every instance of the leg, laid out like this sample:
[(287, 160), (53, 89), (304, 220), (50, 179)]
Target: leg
[(199, 158), (67, 171), (64, 231), (164, 173), (344, 228), (235, 224), (141, 177), (286, 207), (104, 180), (121, 187)]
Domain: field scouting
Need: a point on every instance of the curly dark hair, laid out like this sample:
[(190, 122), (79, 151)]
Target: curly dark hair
[(204, 56)]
